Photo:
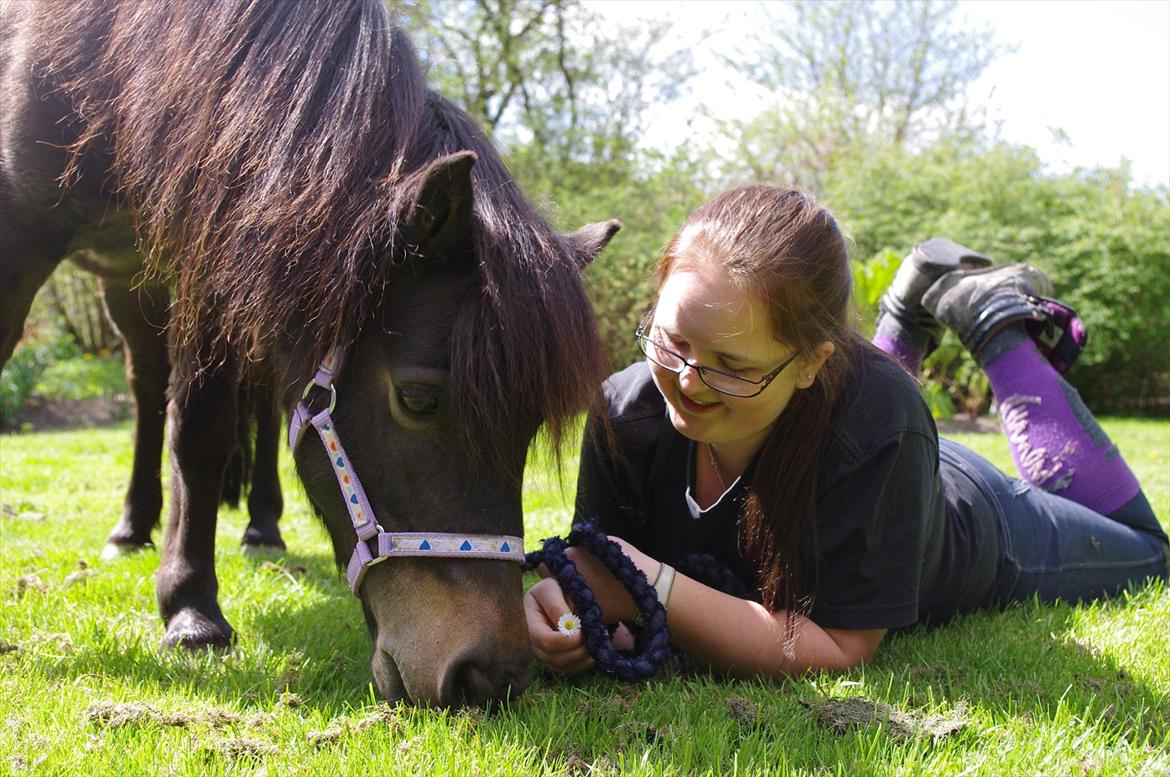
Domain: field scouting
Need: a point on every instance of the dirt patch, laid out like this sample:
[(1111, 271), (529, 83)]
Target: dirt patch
[(842, 715), (42, 414), (579, 765), (29, 583), (8, 511), (290, 700), (6, 647), (340, 727), (636, 734), (83, 571), (239, 747), (743, 711), (621, 701), (119, 714), (963, 423)]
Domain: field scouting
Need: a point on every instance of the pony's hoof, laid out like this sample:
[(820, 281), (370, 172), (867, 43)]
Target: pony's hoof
[(262, 540), (192, 630), (261, 550), (116, 550)]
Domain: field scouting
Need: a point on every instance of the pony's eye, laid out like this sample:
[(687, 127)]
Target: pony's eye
[(420, 400)]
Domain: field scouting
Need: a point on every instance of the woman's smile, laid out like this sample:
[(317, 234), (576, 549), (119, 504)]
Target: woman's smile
[(696, 407)]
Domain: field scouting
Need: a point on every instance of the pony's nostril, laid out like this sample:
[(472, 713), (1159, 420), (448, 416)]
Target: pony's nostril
[(471, 684)]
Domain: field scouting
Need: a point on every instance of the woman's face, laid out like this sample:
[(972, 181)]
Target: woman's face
[(712, 322)]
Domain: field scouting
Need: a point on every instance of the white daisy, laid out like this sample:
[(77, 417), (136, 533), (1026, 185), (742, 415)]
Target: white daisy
[(569, 625)]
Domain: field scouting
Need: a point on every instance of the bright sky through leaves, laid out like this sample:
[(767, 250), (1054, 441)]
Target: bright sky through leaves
[(1087, 85)]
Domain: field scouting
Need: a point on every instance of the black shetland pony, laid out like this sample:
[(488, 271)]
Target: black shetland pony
[(297, 188)]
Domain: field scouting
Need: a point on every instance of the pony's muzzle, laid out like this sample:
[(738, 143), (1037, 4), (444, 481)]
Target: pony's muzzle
[(479, 677)]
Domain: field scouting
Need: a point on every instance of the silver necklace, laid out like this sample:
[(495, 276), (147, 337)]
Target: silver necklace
[(715, 465)]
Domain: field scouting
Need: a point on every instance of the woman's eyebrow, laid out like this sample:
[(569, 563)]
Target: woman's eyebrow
[(724, 355)]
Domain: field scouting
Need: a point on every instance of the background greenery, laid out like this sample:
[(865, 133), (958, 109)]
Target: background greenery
[(1036, 689), (866, 110)]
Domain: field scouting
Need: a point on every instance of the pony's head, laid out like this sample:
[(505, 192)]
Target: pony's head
[(482, 334)]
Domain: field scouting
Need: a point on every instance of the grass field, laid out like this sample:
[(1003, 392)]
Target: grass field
[(83, 689)]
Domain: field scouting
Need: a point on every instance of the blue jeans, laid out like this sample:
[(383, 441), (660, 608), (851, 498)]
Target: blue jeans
[(1058, 549)]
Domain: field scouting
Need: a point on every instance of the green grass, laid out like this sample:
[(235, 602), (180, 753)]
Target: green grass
[(1036, 689)]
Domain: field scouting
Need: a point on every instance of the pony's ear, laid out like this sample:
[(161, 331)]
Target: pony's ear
[(441, 220), (588, 241)]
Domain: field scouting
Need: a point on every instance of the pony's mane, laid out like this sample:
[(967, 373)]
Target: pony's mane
[(528, 345), (258, 143), (267, 148)]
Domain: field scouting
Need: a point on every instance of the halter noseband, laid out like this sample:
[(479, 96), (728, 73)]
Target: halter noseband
[(367, 552)]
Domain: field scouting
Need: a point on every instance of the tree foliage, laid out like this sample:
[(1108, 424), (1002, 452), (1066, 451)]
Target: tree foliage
[(548, 75), (842, 72), (566, 93), (1105, 244)]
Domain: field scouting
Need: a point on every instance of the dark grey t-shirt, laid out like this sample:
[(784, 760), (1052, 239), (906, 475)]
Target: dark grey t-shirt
[(899, 540)]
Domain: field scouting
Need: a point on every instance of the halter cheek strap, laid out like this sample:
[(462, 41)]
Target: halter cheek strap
[(374, 544)]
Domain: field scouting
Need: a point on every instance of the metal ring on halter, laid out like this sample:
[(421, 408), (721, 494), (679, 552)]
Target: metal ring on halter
[(314, 384), (376, 559)]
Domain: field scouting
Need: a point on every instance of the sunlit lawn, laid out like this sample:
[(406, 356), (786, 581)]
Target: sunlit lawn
[(1037, 689)]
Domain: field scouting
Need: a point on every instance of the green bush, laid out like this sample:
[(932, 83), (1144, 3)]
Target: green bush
[(651, 196), (83, 377), (23, 372), (1105, 244)]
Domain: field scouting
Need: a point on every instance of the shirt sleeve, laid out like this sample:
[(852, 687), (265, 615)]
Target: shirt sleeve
[(873, 518)]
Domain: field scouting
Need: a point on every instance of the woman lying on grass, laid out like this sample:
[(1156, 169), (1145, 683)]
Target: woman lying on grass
[(762, 429)]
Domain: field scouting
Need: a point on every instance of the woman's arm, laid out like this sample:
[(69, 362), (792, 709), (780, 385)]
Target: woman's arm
[(714, 628), (745, 639)]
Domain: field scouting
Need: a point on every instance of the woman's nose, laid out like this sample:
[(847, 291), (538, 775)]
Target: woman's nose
[(689, 379)]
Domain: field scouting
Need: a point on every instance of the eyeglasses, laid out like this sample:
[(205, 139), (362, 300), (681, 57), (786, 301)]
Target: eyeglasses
[(723, 382)]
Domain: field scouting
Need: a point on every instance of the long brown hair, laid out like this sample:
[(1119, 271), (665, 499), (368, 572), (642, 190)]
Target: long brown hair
[(788, 250)]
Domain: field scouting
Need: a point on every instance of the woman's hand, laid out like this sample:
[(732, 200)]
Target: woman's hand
[(545, 603)]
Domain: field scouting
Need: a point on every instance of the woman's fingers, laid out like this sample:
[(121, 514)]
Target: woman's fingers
[(544, 605), (623, 638)]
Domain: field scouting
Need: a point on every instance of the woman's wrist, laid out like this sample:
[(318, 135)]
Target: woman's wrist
[(652, 568), (664, 583)]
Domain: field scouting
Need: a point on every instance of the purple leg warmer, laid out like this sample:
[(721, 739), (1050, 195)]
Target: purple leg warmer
[(1056, 442), (904, 342)]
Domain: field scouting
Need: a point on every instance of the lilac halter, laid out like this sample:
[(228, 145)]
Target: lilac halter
[(388, 544)]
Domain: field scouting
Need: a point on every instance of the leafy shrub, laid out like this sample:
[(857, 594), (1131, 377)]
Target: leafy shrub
[(23, 372), (83, 377), (1105, 244)]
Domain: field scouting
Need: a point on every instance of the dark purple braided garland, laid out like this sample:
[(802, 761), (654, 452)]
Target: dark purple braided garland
[(598, 642)]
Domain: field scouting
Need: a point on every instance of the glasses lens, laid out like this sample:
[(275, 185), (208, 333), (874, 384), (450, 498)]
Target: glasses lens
[(659, 355), (729, 384)]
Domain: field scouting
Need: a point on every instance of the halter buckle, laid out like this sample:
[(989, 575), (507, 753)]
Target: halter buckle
[(312, 384)]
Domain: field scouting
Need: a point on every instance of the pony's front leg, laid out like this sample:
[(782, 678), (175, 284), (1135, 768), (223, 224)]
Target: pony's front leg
[(203, 427)]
